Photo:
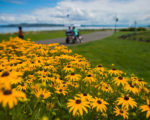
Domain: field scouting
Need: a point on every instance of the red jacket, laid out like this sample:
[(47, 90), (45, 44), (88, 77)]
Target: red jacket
[(21, 33)]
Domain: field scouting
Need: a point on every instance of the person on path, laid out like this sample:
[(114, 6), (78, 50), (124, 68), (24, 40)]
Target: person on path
[(75, 34), (21, 34), (69, 32)]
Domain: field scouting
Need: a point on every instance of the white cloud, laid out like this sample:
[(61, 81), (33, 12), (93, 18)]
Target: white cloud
[(87, 12)]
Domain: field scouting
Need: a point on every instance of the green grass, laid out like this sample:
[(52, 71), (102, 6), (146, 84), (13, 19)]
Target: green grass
[(127, 55), (42, 35)]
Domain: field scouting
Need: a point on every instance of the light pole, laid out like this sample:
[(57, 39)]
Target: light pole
[(135, 23), (116, 20)]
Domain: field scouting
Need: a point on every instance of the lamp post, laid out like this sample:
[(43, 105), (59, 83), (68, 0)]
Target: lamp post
[(135, 23), (116, 20)]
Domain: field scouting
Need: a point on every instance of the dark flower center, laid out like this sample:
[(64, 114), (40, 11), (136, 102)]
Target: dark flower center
[(72, 74), (131, 86), (89, 75), (7, 92), (106, 87), (120, 78), (64, 82), (60, 90), (126, 98), (149, 105), (68, 66), (5, 74), (100, 66), (22, 84), (113, 69), (121, 111), (78, 101), (39, 61), (84, 94), (99, 102), (140, 80), (44, 76), (41, 95)]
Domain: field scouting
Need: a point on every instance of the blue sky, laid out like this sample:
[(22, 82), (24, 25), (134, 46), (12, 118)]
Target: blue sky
[(24, 6), (80, 11)]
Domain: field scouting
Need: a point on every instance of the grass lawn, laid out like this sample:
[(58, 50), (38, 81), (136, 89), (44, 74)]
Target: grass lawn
[(127, 55), (42, 35)]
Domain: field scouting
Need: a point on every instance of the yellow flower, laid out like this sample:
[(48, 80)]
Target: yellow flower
[(123, 112), (78, 105), (68, 68), (22, 87), (146, 108), (45, 118), (61, 90), (120, 81), (10, 97), (139, 82), (89, 79), (84, 96), (99, 104), (99, 68), (49, 106), (114, 72), (42, 93), (132, 88), (8, 78), (106, 87), (126, 101), (73, 77)]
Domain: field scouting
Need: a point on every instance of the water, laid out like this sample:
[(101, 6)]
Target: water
[(15, 29)]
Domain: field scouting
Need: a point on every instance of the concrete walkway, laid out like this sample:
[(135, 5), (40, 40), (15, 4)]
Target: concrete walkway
[(86, 38)]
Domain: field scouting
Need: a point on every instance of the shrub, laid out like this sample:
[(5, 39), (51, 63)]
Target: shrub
[(133, 29)]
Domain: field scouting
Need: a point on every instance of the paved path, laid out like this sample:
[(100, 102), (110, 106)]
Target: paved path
[(87, 37)]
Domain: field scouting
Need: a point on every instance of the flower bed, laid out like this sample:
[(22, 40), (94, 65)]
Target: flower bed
[(49, 82)]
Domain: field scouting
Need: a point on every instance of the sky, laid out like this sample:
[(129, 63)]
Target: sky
[(88, 12)]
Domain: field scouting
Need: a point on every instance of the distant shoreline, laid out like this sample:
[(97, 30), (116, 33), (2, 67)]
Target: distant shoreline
[(12, 29)]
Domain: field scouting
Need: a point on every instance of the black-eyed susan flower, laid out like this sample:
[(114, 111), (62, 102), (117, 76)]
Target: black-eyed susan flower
[(84, 96), (132, 88), (89, 78), (99, 104), (106, 88), (22, 86), (10, 97), (61, 90), (146, 108), (114, 72), (139, 82), (78, 106), (73, 77), (68, 68), (99, 68), (122, 112), (42, 93), (50, 105), (120, 81), (126, 101)]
